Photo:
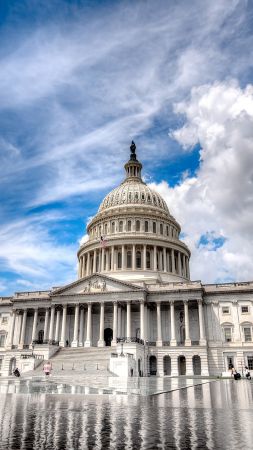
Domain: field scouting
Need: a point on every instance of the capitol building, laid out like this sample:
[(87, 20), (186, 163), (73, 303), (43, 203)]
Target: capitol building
[(133, 310)]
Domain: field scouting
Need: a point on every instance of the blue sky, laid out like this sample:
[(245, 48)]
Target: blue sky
[(78, 81)]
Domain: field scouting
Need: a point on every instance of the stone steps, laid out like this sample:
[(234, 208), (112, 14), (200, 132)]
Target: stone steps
[(80, 360)]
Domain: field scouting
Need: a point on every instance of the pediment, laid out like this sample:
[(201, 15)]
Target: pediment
[(95, 284)]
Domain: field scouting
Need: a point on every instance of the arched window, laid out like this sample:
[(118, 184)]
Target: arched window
[(129, 259), (154, 227), (113, 227), (129, 225), (119, 260), (146, 226), (161, 228), (138, 260), (148, 260), (120, 226), (138, 225)]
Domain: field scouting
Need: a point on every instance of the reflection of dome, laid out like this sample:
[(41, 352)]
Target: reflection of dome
[(133, 192), (133, 236)]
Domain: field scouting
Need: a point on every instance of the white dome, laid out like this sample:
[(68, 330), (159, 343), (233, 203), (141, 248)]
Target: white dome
[(133, 192)]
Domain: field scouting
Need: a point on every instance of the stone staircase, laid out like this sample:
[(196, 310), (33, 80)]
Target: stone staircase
[(80, 360)]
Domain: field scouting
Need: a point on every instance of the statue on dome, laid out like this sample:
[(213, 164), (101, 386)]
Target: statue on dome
[(133, 154)]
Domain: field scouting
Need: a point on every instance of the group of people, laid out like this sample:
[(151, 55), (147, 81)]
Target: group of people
[(47, 367), (237, 375)]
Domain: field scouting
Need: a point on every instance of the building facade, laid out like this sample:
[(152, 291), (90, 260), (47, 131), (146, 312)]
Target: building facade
[(134, 293)]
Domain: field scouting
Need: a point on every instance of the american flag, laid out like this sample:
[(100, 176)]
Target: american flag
[(103, 241)]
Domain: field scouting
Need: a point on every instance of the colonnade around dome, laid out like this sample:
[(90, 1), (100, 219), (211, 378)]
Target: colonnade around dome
[(134, 257)]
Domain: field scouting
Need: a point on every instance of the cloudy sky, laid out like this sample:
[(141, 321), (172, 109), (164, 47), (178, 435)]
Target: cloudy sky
[(78, 81)]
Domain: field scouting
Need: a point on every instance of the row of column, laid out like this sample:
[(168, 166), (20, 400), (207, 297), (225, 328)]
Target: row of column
[(52, 327), (161, 259)]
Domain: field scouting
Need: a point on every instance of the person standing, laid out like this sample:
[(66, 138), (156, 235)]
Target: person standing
[(47, 368)]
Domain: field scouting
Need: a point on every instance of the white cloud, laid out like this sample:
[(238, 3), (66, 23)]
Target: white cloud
[(218, 200)]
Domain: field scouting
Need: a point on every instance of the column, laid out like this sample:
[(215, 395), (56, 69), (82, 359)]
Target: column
[(144, 257), (57, 326), (172, 261), (80, 268), (142, 320), (46, 325), (146, 313), (99, 260), (159, 340), (184, 266), (179, 263), (173, 341), (186, 323), (123, 265), (88, 329), (12, 328), (74, 343), (155, 258), (51, 327), (134, 257), (103, 260), (164, 260), (35, 320), (107, 260), (115, 320), (112, 258), (101, 342), (95, 261), (160, 260), (80, 339), (23, 330), (83, 266), (63, 327), (202, 334), (119, 322), (128, 320), (88, 265)]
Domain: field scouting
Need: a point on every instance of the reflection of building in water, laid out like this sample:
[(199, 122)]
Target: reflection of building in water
[(133, 295), (186, 418)]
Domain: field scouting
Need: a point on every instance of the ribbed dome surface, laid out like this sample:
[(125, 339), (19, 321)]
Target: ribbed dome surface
[(132, 192)]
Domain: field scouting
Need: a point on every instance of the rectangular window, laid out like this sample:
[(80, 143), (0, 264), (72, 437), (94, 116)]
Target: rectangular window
[(228, 334), (1, 363), (4, 320), (225, 310), (250, 362), (2, 340), (245, 309), (247, 334)]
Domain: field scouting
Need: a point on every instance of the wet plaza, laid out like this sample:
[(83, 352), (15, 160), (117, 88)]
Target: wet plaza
[(51, 415)]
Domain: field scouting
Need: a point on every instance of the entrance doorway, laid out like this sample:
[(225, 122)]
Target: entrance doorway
[(41, 336), (196, 362), (108, 336), (181, 365), (152, 365), (167, 365)]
